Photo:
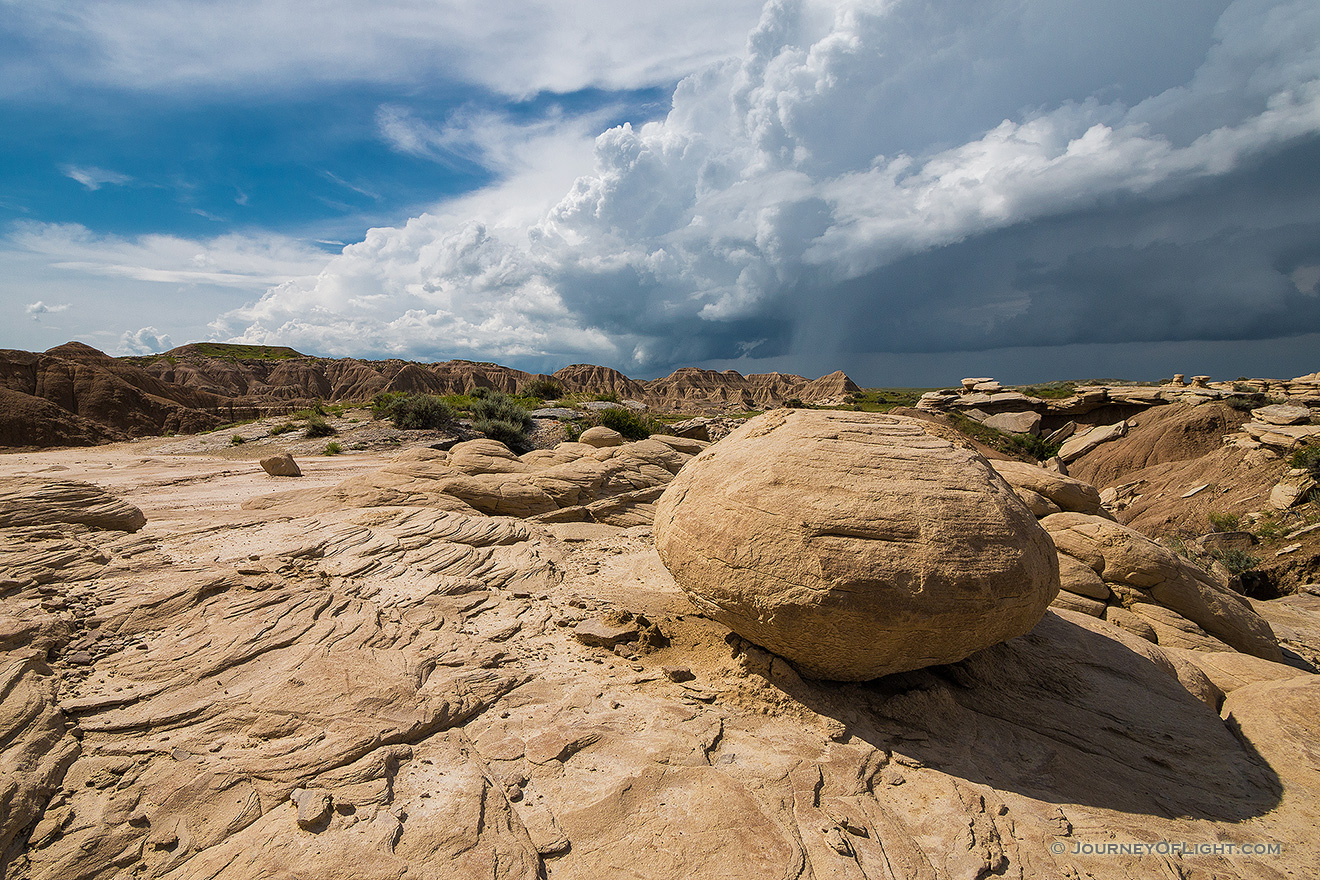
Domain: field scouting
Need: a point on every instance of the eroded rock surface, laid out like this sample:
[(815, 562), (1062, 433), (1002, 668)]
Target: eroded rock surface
[(364, 683)]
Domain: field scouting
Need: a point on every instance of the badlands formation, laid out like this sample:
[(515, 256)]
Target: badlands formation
[(833, 644)]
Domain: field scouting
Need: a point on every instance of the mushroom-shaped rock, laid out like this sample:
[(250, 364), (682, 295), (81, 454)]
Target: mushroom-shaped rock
[(601, 437), (855, 545), (281, 465)]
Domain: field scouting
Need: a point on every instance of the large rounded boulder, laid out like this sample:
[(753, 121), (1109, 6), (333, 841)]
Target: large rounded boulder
[(854, 544)]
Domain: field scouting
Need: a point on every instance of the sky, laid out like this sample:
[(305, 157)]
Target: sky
[(912, 191)]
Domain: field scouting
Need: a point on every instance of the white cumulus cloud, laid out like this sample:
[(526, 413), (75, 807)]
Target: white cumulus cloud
[(147, 340), (846, 137)]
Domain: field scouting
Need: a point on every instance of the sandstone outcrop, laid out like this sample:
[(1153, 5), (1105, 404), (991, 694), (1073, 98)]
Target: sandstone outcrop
[(574, 482), (855, 545), (1045, 490), (1184, 604), (36, 502)]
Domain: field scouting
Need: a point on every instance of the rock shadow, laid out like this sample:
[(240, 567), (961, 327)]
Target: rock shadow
[(1064, 715)]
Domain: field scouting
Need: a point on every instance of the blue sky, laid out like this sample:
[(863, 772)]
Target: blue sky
[(910, 191)]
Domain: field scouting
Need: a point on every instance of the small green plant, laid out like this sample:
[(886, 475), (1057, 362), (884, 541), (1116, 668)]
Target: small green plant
[(628, 423), (1224, 522), (315, 409), (237, 440), (1308, 459), (420, 412), (606, 397), (794, 403), (1242, 403), (1236, 561), (319, 427), (544, 388), (332, 448), (283, 429), (1268, 528)]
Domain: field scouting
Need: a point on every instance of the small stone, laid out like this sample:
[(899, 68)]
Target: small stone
[(599, 632), (677, 673), (314, 807)]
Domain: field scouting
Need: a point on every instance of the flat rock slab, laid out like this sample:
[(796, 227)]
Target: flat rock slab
[(1015, 423), (600, 633), (1282, 414)]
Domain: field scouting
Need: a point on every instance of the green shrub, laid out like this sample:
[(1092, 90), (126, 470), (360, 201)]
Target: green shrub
[(606, 397), (1236, 561), (283, 429), (546, 389), (794, 403), (319, 427), (420, 411), (496, 406), (1308, 459), (628, 423), (481, 393), (316, 409), (1242, 403), (1036, 447), (1269, 528), (509, 433), (382, 405), (237, 440), (1224, 522), (332, 448)]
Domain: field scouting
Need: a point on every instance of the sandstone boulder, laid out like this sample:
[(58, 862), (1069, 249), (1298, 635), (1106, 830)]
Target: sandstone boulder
[(855, 545), (281, 465), (601, 437)]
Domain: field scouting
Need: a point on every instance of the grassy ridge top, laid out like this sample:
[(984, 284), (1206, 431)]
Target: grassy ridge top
[(231, 350)]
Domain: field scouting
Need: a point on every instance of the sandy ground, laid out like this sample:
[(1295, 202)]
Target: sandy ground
[(177, 486)]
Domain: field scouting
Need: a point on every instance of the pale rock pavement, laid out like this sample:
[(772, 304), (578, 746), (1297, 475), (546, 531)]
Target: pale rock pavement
[(365, 680)]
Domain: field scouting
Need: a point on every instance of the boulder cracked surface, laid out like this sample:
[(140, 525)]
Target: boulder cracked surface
[(855, 545)]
